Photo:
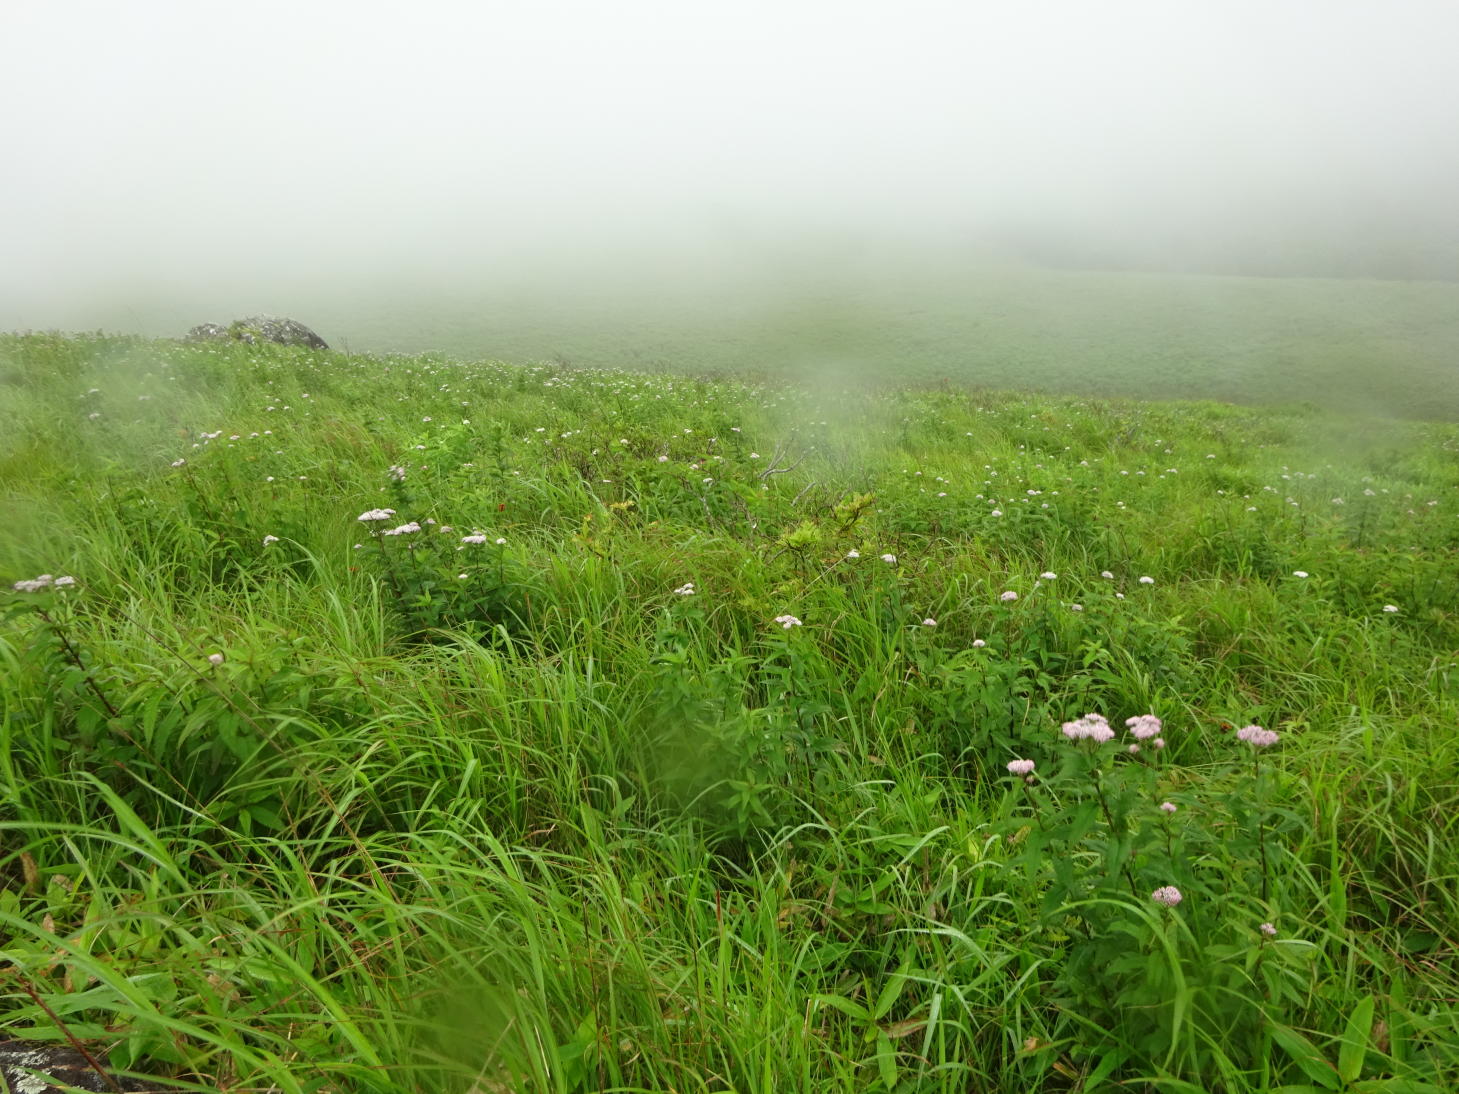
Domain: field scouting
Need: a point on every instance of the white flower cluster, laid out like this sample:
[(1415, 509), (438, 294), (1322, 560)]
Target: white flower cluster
[(370, 515), (45, 581)]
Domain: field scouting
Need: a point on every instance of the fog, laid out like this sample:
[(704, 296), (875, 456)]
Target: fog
[(170, 162)]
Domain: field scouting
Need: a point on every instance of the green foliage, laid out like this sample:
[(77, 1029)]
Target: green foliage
[(697, 779)]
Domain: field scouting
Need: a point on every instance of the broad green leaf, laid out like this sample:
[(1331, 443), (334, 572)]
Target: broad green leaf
[(1355, 1042), (1306, 1056)]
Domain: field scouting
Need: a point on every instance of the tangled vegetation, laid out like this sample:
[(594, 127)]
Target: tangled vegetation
[(403, 724)]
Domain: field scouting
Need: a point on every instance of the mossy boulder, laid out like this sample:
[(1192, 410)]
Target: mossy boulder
[(259, 328)]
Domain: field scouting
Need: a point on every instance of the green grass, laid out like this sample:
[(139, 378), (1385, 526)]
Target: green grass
[(857, 318), (456, 816)]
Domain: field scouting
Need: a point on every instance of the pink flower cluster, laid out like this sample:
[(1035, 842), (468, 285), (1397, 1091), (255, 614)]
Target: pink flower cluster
[(1092, 727), (1168, 895), (1020, 767), (1143, 726), (1257, 737)]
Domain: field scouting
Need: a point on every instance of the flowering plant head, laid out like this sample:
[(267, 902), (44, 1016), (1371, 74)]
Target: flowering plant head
[(1007, 596), (1143, 726), (1257, 737), (44, 581), (371, 515), (1020, 767), (787, 621), (1092, 727), (1168, 895)]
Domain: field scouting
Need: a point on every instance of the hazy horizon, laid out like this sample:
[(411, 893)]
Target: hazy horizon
[(169, 157)]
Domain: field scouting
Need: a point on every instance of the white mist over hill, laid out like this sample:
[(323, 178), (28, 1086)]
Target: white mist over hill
[(171, 155)]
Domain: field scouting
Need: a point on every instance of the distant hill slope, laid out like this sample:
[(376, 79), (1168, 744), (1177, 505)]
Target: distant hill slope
[(1381, 346), (1389, 347)]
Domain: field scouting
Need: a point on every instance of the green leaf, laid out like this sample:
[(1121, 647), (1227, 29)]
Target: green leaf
[(886, 1060), (1355, 1042), (1105, 1068), (844, 1005), (1306, 1056)]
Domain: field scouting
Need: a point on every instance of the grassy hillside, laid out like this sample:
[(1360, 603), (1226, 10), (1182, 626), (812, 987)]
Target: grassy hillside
[(658, 734), (1372, 347)]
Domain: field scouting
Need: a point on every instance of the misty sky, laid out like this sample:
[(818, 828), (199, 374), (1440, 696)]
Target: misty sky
[(160, 142)]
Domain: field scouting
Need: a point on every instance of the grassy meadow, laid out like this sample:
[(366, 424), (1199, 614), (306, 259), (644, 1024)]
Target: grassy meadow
[(397, 723), (843, 316)]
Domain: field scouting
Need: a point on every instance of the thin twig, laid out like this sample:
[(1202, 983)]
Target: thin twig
[(66, 1032)]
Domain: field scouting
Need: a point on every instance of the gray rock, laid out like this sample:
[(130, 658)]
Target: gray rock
[(18, 1059), (258, 328)]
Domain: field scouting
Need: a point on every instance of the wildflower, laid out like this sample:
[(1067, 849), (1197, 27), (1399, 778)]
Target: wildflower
[(1133, 749), (1008, 596), (501, 541), (178, 463), (1048, 575), (1300, 573), (890, 560), (1076, 607), (1158, 742), (374, 515), (978, 643), (1147, 581), (270, 539), (215, 658), (663, 459), (1168, 895), (996, 513), (687, 589), (787, 621), (402, 530), (929, 622), (397, 473), (1106, 574), (1390, 607), (853, 553), (477, 538), (1268, 929), (64, 582), (1143, 726), (1020, 767), (1092, 727), (34, 585), (460, 577), (1167, 807), (1257, 737)]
